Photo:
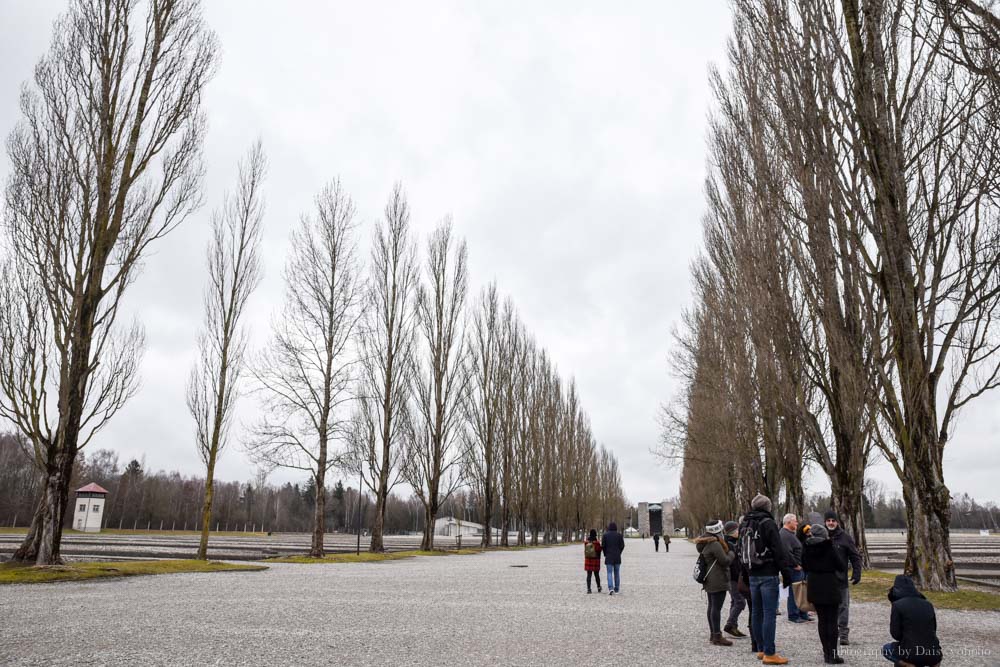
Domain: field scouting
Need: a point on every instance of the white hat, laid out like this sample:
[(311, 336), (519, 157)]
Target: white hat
[(714, 528)]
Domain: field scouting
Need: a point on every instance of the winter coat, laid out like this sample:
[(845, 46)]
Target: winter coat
[(823, 564), (845, 545), (614, 545), (717, 557), (734, 566), (592, 564), (793, 547), (913, 624), (775, 558)]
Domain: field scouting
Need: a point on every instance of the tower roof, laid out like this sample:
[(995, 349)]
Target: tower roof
[(92, 488)]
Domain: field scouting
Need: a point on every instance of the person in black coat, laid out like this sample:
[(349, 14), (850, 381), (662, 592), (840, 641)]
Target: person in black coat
[(613, 544), (844, 543), (737, 601), (823, 564), (913, 625)]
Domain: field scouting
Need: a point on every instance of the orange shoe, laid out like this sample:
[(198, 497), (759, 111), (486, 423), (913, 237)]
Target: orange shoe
[(760, 655), (775, 660)]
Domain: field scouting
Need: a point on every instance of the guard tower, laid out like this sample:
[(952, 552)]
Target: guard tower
[(89, 513)]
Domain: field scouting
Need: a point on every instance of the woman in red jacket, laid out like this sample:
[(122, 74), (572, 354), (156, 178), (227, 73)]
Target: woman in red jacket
[(592, 559)]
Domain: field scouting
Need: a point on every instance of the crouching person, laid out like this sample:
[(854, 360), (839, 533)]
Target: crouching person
[(913, 625)]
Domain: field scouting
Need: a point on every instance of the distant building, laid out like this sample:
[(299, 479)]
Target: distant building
[(89, 513), (656, 518), (449, 526)]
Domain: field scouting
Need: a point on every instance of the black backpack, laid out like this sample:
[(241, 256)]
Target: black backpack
[(753, 552), (701, 569)]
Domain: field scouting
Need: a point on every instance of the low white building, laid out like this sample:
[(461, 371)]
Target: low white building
[(449, 526), (89, 513)]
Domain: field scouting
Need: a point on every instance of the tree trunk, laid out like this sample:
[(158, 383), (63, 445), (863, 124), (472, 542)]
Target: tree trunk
[(41, 544), (377, 545), (928, 547), (206, 509), (847, 502), (430, 515), (319, 516)]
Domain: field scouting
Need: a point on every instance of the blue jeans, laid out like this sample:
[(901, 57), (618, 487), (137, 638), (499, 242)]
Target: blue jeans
[(793, 609), (764, 595), (891, 652), (614, 576)]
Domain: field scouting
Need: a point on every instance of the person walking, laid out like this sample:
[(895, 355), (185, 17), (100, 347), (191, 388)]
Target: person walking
[(737, 601), (845, 544), (793, 547), (718, 557), (913, 624), (656, 542), (823, 562), (592, 559), (764, 557), (666, 542), (613, 545)]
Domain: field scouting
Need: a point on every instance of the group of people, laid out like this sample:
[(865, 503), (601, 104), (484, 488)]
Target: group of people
[(746, 559)]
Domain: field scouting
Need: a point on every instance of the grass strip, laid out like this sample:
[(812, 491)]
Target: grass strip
[(142, 531), (16, 573), (875, 585)]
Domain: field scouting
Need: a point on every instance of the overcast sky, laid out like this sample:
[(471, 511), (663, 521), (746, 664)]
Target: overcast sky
[(566, 140)]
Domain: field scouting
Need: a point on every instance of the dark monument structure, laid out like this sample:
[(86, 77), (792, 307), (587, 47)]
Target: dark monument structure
[(656, 518)]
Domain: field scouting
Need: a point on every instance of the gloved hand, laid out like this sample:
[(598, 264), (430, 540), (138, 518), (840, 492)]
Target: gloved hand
[(856, 579)]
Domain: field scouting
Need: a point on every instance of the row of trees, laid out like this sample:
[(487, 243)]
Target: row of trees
[(374, 367), (846, 297)]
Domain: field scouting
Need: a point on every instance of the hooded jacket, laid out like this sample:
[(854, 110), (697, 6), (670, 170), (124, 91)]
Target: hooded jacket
[(717, 557), (823, 564), (913, 623)]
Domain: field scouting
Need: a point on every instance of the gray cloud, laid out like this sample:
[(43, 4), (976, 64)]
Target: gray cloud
[(566, 140)]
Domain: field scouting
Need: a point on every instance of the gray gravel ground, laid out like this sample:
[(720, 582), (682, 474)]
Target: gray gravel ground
[(475, 610)]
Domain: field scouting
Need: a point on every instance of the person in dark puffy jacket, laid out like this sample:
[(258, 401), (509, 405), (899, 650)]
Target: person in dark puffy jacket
[(823, 563), (592, 565), (613, 544), (717, 556), (913, 624)]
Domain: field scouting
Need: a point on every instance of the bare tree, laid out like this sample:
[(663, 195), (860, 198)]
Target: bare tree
[(234, 272), (105, 161), (387, 341), (432, 458), (305, 374)]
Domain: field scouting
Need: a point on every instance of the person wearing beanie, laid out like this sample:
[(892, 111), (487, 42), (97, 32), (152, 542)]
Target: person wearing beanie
[(823, 564), (844, 543), (765, 558), (613, 544), (717, 556), (737, 602), (913, 626), (592, 559)]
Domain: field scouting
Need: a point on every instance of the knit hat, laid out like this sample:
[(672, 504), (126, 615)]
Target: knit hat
[(730, 527), (818, 530), (714, 528), (612, 527), (831, 514), (593, 534), (761, 502)]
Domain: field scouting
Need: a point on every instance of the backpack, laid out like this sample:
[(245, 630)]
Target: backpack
[(589, 550), (701, 569), (753, 553)]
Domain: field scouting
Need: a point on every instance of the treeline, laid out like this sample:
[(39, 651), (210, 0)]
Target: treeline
[(846, 299), (141, 499), (379, 367)]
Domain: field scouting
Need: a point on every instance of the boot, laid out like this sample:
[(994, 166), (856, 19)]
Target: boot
[(775, 660), (845, 639), (734, 631), (718, 640)]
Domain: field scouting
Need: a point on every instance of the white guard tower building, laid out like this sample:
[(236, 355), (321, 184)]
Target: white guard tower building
[(89, 513)]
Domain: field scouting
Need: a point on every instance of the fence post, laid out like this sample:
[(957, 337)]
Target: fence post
[(161, 524), (14, 523)]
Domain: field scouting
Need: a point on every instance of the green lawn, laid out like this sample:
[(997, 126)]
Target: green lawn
[(11, 573), (875, 585)]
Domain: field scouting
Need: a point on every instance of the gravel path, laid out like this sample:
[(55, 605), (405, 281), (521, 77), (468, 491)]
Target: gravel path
[(475, 610)]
